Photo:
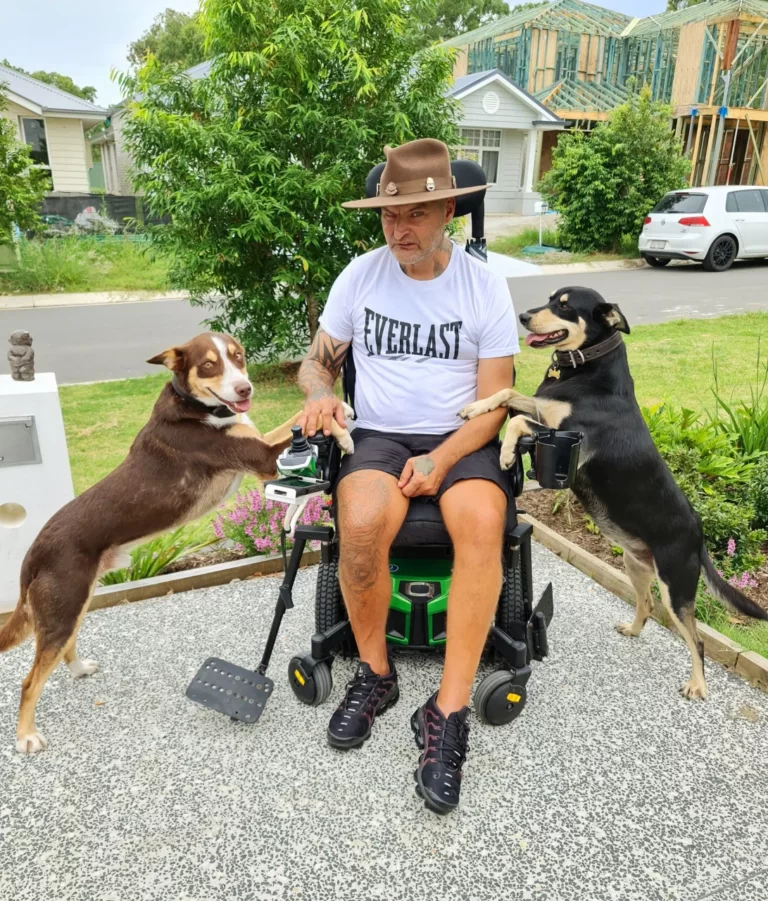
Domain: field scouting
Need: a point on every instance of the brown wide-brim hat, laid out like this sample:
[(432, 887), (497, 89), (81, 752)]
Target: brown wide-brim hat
[(416, 172)]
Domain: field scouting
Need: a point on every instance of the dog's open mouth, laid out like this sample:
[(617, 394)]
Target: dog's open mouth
[(240, 406), (543, 340)]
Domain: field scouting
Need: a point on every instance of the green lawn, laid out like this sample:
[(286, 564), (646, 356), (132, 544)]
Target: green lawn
[(512, 245), (72, 263)]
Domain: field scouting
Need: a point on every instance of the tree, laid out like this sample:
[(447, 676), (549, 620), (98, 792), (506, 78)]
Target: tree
[(673, 5), (603, 184), (252, 162), (63, 82), (447, 18), (173, 38), (22, 186)]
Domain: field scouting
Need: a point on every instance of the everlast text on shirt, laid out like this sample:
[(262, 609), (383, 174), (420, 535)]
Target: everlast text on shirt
[(385, 336)]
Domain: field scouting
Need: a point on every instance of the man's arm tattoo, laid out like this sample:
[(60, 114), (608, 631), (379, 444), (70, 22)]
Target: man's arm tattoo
[(321, 366)]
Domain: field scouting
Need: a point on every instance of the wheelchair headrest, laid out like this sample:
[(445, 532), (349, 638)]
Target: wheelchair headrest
[(466, 172)]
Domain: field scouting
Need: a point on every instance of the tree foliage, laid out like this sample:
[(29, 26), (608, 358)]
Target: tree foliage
[(22, 186), (252, 163), (63, 82), (673, 5), (604, 183), (447, 18), (174, 37)]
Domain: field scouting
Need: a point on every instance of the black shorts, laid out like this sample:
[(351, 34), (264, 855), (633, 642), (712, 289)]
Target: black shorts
[(389, 451)]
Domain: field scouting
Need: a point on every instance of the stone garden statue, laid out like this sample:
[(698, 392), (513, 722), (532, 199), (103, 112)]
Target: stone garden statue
[(21, 356)]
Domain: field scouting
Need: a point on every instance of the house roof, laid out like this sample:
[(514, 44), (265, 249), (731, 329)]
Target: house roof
[(466, 84), (561, 15), (587, 96), (701, 12), (46, 97)]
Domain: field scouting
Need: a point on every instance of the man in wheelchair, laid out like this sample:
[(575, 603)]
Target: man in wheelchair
[(431, 330)]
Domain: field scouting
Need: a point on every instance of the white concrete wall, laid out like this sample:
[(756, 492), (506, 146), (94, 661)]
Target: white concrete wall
[(66, 150), (41, 488)]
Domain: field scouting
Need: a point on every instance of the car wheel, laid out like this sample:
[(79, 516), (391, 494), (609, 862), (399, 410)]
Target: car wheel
[(721, 254), (656, 262)]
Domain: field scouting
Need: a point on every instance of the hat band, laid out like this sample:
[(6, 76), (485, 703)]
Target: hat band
[(415, 186)]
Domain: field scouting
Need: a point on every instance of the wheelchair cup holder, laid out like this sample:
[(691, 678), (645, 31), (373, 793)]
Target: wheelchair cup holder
[(554, 456)]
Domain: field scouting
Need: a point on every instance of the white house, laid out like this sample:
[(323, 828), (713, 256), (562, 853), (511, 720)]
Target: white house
[(501, 128), (53, 123)]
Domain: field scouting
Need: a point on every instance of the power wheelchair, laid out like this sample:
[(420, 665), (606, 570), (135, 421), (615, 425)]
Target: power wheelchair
[(420, 565)]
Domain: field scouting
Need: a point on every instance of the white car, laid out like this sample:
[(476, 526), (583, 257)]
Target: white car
[(712, 225)]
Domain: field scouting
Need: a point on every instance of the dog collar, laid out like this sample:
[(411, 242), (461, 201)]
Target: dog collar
[(222, 411), (571, 359)]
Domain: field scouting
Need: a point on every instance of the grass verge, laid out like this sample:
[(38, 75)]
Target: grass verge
[(512, 245), (85, 264)]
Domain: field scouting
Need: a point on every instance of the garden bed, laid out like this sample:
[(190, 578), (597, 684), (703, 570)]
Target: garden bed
[(571, 522)]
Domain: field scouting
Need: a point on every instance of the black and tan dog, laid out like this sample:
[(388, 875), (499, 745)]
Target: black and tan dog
[(184, 462), (622, 480)]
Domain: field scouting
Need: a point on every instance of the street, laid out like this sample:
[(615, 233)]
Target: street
[(92, 343)]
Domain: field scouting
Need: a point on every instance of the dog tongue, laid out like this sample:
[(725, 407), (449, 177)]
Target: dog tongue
[(534, 339), (243, 407)]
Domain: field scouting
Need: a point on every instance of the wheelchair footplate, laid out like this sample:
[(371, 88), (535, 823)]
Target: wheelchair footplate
[(536, 629), (239, 693)]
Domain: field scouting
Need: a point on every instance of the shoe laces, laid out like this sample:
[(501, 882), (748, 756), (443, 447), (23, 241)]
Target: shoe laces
[(451, 742), (359, 690)]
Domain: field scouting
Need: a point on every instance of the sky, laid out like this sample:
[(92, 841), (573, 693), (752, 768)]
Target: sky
[(86, 39)]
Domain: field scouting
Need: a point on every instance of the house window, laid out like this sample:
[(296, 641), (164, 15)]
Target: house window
[(482, 145), (34, 135)]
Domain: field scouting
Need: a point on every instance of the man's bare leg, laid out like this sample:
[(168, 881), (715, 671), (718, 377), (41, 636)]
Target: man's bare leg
[(474, 511), (371, 510)]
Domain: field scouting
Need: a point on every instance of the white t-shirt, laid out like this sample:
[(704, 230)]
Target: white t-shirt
[(416, 343)]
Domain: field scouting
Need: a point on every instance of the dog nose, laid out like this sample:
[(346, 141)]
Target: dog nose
[(243, 389), (525, 318)]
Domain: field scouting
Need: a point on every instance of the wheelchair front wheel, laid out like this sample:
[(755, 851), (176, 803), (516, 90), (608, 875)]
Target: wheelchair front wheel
[(499, 699), (311, 682)]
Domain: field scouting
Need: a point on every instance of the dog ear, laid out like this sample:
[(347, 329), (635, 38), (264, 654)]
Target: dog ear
[(612, 316), (172, 358)]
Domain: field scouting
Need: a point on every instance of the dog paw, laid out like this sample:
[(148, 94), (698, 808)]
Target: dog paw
[(33, 743), (507, 457), (627, 629), (349, 413), (694, 688), (346, 443), (474, 409), (80, 668)]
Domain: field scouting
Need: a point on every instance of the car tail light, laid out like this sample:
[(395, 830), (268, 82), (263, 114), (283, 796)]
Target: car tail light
[(695, 220), (647, 220)]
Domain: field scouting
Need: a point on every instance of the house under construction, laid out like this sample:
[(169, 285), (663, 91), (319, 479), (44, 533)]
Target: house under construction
[(709, 62)]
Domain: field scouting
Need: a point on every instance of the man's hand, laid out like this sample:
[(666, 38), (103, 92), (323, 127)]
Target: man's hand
[(316, 377), (422, 476), (321, 406)]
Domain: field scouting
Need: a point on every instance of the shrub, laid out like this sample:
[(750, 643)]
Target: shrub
[(603, 184), (758, 493), (151, 559), (252, 162), (254, 524), (716, 476)]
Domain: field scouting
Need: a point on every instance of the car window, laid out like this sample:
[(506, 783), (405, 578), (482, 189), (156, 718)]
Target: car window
[(746, 202), (681, 202)]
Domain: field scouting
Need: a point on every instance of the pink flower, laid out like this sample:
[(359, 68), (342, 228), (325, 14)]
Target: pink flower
[(731, 547), (218, 528)]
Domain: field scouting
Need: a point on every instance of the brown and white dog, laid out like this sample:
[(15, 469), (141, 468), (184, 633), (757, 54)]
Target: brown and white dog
[(184, 462)]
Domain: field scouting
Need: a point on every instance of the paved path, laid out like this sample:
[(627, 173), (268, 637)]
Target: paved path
[(91, 343), (609, 787)]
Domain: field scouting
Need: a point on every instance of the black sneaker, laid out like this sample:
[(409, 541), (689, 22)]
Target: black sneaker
[(367, 696), (444, 742)]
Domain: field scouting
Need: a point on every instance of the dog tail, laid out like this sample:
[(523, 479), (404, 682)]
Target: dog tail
[(16, 629), (725, 592)]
